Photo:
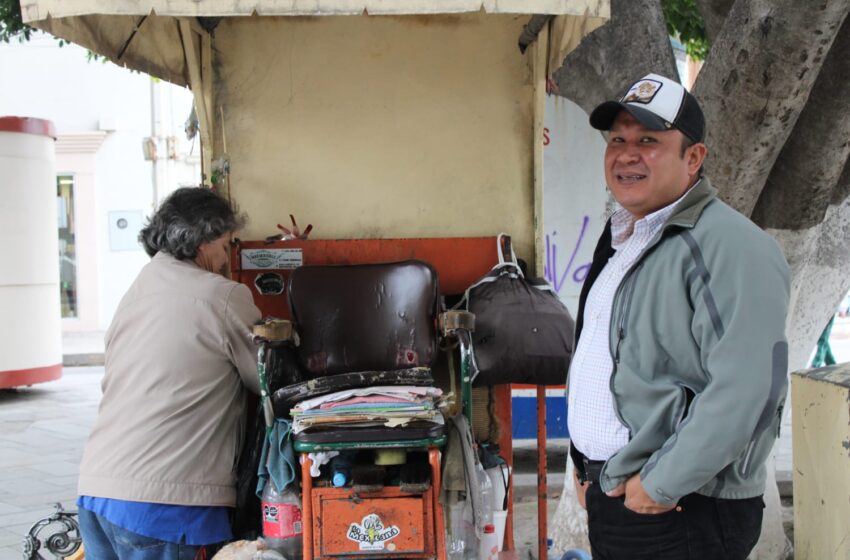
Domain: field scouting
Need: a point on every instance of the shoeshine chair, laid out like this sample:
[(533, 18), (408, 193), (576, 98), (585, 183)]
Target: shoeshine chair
[(362, 326)]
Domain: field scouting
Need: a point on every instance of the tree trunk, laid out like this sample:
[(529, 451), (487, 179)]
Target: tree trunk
[(755, 82), (803, 197), (714, 14), (813, 158), (631, 44), (821, 280)]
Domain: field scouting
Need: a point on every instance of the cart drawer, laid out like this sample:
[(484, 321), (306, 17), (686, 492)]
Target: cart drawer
[(385, 524)]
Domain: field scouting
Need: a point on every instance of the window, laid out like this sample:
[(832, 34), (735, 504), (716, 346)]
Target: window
[(67, 245)]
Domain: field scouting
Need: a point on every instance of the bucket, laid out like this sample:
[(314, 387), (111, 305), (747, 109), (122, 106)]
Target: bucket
[(499, 519), (500, 479)]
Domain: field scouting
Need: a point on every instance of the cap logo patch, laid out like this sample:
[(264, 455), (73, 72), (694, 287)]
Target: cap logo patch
[(643, 92)]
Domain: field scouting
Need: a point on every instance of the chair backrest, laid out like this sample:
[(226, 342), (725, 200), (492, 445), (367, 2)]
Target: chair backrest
[(370, 317)]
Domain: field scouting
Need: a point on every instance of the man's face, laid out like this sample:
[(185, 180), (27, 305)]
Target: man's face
[(645, 169)]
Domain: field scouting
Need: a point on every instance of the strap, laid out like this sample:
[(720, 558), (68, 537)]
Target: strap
[(505, 250), (507, 265)]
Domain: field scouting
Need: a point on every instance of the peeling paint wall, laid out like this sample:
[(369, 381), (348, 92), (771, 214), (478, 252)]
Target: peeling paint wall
[(378, 126), (821, 447)]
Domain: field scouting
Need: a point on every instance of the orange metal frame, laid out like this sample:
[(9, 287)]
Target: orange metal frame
[(331, 509), (459, 262)]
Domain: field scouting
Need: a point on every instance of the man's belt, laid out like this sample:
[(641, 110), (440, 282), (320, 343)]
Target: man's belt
[(592, 470), (588, 470)]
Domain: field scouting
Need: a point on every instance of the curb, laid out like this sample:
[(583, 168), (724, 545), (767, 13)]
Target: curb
[(82, 360)]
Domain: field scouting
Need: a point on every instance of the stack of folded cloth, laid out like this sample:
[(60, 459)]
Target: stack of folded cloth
[(388, 406)]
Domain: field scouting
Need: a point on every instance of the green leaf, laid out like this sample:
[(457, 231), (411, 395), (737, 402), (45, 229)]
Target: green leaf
[(685, 22)]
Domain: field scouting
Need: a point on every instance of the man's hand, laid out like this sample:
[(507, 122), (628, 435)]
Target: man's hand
[(637, 499), (581, 489)]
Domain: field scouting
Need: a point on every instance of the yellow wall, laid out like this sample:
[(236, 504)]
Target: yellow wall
[(821, 447), (417, 126)]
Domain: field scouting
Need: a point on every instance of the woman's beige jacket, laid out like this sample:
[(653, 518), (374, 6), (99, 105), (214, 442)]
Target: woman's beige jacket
[(178, 358)]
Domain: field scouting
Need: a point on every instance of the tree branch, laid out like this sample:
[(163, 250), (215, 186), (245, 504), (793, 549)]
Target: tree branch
[(632, 43), (812, 160), (755, 83), (714, 14)]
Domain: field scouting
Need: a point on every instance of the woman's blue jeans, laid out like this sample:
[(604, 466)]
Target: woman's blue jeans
[(104, 541)]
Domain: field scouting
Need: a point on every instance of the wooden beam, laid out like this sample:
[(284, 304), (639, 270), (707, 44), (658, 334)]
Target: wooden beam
[(539, 58), (200, 82)]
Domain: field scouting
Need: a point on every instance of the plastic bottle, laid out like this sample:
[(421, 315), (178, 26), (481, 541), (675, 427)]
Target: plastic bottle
[(282, 529), (341, 469), (485, 487), (456, 538), (470, 536), (488, 549)]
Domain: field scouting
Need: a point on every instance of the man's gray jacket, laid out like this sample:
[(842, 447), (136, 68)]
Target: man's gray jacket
[(700, 358)]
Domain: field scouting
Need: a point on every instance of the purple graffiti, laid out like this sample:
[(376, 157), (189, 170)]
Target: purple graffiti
[(577, 274)]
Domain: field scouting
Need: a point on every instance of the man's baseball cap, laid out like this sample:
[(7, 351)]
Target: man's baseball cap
[(659, 104)]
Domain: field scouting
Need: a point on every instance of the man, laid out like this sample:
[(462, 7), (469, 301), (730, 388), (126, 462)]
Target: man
[(679, 376)]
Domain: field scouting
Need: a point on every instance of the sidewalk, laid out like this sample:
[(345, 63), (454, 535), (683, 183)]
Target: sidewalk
[(43, 429), (82, 349)]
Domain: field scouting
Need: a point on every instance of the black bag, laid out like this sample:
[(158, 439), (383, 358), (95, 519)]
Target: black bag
[(523, 332)]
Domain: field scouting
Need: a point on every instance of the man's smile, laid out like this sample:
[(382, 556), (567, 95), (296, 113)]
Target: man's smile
[(630, 177)]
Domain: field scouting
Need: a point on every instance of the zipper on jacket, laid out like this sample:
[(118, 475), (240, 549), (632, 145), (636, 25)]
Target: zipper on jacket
[(624, 291), (751, 447), (625, 308), (689, 395)]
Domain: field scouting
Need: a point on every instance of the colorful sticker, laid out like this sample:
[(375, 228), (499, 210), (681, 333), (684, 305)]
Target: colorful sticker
[(253, 259), (371, 534), (281, 521), (269, 283)]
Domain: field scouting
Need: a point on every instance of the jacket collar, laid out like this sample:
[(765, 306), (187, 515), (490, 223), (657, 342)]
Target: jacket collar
[(690, 208)]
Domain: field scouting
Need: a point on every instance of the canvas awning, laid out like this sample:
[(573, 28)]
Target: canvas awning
[(152, 35), (35, 10)]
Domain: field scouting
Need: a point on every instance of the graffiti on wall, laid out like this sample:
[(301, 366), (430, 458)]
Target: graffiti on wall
[(560, 270)]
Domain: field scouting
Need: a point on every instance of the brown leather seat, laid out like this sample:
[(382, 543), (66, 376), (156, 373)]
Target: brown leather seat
[(375, 317)]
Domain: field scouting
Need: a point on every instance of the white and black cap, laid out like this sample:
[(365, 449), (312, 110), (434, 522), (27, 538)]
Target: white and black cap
[(658, 103)]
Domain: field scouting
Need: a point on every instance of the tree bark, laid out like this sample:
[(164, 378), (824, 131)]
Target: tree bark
[(755, 82), (822, 279), (813, 158), (631, 44), (714, 14)]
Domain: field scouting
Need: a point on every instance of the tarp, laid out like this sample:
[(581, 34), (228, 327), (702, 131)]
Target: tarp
[(35, 10), (145, 35)]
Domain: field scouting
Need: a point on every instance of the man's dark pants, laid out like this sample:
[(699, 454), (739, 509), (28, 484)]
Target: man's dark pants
[(701, 528)]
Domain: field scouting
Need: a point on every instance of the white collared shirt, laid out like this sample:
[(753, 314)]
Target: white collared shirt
[(593, 423)]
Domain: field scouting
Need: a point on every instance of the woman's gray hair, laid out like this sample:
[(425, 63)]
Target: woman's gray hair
[(189, 217)]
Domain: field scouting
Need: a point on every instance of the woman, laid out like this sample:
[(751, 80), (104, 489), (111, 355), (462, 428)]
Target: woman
[(157, 477)]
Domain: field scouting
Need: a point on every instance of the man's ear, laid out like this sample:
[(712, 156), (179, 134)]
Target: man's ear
[(696, 155)]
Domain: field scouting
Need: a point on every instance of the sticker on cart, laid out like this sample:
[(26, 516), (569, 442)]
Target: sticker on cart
[(254, 259), (371, 534)]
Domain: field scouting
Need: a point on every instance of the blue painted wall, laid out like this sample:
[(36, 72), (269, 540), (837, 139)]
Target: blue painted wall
[(524, 417)]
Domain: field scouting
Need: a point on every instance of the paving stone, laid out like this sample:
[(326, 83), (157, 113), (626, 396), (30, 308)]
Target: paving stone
[(8, 508), (8, 538), (58, 469), (11, 552)]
